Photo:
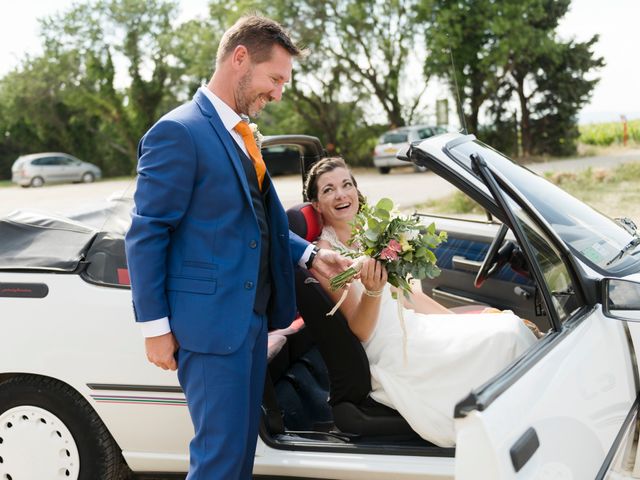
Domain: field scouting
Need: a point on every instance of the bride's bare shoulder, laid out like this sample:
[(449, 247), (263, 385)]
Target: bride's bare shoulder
[(322, 243)]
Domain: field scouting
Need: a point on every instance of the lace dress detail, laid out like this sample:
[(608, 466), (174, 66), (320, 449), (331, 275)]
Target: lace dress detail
[(447, 356), (328, 234)]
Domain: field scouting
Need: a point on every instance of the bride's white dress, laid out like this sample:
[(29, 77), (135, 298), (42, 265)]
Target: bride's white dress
[(447, 355)]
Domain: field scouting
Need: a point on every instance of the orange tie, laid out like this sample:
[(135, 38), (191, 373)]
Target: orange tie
[(244, 130)]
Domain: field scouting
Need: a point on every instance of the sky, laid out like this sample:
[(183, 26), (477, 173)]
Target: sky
[(615, 21)]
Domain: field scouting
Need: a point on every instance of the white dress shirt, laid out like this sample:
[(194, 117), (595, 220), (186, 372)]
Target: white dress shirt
[(230, 119)]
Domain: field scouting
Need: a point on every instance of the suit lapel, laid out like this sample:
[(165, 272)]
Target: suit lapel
[(225, 137)]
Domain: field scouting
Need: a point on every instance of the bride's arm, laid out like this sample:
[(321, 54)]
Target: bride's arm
[(360, 310), (421, 302)]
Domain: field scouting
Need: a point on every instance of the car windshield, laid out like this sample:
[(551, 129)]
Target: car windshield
[(394, 137), (593, 237)]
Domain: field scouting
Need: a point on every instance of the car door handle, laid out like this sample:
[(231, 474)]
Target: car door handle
[(524, 448), (461, 263)]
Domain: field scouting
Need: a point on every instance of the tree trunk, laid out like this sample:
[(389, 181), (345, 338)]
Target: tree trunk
[(525, 123)]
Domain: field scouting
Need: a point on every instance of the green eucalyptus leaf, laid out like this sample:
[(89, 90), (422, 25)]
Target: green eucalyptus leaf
[(385, 204)]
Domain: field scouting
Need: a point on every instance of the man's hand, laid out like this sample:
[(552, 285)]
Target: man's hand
[(329, 263), (161, 350)]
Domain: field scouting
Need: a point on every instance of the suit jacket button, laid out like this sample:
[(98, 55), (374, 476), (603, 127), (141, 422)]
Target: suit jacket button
[(253, 244), (248, 285)]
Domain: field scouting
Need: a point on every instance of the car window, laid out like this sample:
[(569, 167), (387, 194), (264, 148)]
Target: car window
[(394, 137), (51, 161), (39, 161), (555, 272), (425, 133)]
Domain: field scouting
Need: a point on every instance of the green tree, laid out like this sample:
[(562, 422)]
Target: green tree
[(547, 77), (463, 49)]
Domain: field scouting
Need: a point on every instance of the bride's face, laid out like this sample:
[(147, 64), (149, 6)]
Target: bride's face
[(337, 197)]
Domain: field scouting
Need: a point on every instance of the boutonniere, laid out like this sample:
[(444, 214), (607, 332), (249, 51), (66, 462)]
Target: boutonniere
[(257, 136)]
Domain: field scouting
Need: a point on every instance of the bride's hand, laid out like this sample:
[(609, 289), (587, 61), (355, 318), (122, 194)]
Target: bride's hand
[(373, 275)]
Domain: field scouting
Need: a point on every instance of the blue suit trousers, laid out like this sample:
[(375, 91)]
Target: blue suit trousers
[(224, 393)]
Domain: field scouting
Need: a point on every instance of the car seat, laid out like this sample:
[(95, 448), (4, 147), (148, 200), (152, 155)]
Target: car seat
[(354, 412)]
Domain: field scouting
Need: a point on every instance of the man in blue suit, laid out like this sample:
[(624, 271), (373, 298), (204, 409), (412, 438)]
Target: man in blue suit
[(210, 253)]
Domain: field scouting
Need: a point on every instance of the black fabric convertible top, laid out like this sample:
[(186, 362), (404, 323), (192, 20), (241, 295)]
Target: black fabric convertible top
[(32, 240)]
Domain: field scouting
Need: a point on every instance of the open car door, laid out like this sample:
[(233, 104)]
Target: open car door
[(556, 412)]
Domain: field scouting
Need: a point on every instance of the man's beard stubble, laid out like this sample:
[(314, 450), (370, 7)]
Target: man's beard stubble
[(243, 101)]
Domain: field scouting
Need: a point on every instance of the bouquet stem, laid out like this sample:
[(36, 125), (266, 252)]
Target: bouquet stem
[(340, 280)]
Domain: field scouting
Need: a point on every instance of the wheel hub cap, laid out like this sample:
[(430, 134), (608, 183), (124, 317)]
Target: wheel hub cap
[(34, 443)]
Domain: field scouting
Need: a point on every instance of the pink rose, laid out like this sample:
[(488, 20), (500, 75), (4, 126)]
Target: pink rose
[(389, 254), (395, 245)]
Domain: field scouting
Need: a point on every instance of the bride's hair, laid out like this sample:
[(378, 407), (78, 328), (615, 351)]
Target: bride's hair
[(326, 165)]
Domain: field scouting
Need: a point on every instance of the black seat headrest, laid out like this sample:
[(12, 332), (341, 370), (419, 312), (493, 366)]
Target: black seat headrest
[(304, 221)]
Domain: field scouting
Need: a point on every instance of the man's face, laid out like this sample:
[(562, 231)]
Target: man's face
[(263, 82)]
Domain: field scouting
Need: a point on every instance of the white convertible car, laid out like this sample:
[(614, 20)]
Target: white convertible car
[(79, 400)]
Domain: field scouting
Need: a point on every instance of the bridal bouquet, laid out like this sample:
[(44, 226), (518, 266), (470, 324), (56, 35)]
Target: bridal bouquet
[(401, 243)]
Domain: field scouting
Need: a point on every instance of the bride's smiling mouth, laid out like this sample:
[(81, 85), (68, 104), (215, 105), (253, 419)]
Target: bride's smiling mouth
[(342, 206)]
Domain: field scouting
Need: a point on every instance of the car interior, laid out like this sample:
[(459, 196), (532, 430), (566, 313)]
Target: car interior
[(318, 380)]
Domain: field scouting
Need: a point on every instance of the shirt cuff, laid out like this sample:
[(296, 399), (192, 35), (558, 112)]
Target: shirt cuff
[(155, 328), (305, 256)]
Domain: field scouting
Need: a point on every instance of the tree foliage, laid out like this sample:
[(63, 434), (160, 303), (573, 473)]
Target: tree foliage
[(110, 68)]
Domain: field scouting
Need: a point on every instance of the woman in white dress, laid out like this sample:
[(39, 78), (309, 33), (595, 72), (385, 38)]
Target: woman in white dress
[(446, 354)]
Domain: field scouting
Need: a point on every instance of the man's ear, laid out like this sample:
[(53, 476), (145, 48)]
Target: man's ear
[(240, 57)]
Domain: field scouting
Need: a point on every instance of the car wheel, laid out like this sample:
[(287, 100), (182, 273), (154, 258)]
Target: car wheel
[(384, 170), (88, 177), (37, 182), (48, 430)]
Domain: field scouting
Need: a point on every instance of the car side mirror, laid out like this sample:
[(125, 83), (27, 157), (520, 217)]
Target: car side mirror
[(621, 299)]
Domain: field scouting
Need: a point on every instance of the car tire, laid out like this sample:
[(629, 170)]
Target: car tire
[(384, 170), (88, 177), (37, 182), (65, 435)]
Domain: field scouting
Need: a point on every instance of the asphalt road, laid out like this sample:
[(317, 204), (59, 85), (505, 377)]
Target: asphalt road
[(404, 186)]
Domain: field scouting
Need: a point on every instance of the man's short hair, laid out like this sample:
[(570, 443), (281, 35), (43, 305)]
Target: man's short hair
[(259, 35)]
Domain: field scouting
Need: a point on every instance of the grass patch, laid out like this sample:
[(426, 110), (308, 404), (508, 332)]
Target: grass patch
[(5, 183), (614, 192)]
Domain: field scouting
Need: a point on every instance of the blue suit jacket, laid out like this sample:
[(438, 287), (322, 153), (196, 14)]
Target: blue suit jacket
[(193, 246)]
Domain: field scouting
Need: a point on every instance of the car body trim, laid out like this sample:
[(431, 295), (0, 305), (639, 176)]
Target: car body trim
[(135, 388), (460, 140), (23, 290), (304, 445)]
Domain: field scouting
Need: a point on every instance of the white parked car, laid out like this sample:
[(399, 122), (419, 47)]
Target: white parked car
[(36, 169), (399, 139), (79, 400)]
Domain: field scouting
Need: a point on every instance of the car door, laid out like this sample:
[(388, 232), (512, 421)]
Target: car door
[(556, 412), (69, 170)]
